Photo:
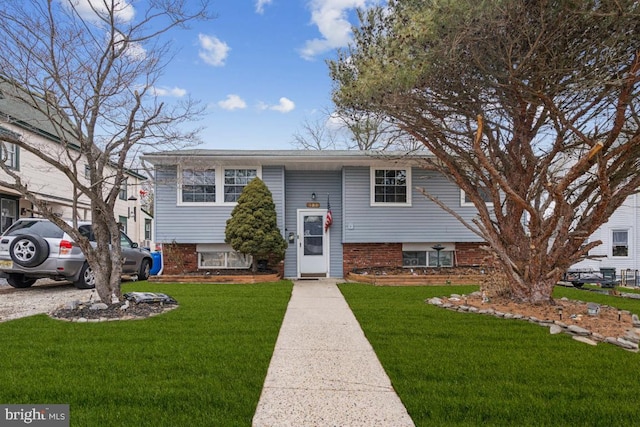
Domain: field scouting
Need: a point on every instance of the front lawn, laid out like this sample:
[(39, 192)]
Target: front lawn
[(202, 364), (454, 368)]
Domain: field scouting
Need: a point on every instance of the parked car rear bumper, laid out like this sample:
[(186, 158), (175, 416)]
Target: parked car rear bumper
[(65, 269)]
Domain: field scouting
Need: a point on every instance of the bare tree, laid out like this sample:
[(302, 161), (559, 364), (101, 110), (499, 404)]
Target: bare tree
[(350, 129), (531, 107), (87, 70), (316, 135)]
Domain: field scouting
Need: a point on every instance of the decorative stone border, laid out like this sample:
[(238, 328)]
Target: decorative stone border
[(630, 341)]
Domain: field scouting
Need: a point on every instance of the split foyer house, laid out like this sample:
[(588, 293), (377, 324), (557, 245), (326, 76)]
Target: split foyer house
[(19, 119), (378, 216)]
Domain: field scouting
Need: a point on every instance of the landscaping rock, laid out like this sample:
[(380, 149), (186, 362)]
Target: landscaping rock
[(555, 329), (577, 330), (632, 336), (635, 321), (99, 306), (72, 305), (626, 344), (584, 340), (435, 301)]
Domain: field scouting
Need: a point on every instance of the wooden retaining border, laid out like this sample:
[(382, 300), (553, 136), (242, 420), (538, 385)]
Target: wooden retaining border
[(417, 280), (219, 279)]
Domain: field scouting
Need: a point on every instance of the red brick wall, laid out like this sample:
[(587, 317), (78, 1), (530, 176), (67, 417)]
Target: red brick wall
[(362, 255), (470, 254), (179, 258)]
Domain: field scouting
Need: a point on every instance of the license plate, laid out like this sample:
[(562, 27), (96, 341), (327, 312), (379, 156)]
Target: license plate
[(6, 264)]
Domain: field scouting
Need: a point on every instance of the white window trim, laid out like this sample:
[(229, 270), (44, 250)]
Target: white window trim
[(629, 252), (219, 174), (428, 247), (372, 187), (463, 201)]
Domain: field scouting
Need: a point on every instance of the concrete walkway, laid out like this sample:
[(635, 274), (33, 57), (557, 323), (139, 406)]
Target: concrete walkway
[(323, 371)]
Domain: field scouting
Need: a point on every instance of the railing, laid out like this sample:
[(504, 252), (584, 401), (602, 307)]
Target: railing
[(629, 277)]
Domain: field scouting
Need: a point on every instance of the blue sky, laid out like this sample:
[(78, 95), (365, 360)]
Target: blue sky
[(260, 68)]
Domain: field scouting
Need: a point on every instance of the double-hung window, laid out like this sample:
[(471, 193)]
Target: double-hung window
[(198, 186), (620, 243), (214, 185), (9, 153), (390, 187), (234, 182), (123, 189)]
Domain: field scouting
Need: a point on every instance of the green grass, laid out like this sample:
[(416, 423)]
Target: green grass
[(454, 368), (202, 364)]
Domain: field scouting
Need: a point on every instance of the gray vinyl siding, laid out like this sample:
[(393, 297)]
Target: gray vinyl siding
[(298, 189), (423, 221), (201, 224)]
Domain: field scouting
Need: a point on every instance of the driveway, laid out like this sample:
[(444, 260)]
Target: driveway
[(43, 297)]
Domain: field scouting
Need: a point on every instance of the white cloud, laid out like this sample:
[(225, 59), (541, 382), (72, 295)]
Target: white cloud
[(175, 92), (331, 18), (91, 10), (212, 50), (260, 4), (284, 106), (133, 50), (233, 102)]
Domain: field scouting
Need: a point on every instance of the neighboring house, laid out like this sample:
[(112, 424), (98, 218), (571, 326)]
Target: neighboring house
[(620, 238), (379, 217), (46, 182)]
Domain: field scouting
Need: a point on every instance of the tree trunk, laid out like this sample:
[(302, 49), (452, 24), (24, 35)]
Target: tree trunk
[(106, 261)]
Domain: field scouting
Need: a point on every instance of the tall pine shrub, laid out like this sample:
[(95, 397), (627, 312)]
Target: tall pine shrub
[(253, 228)]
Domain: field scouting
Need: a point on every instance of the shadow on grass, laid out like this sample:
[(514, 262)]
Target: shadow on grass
[(199, 365)]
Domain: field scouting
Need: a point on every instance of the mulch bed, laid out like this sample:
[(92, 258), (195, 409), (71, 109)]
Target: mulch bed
[(135, 311)]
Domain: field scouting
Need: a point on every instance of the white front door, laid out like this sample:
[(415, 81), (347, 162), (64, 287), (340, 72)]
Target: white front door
[(313, 243)]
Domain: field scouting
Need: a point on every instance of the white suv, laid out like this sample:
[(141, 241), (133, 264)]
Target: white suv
[(36, 248)]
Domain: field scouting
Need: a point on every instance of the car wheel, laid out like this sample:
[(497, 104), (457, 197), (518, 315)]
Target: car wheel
[(87, 279), (577, 284), (28, 250), (19, 281), (145, 268)]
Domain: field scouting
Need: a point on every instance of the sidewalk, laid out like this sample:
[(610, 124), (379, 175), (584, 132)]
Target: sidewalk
[(323, 371)]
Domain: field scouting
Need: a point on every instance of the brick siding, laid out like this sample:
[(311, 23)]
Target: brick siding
[(363, 255), (366, 255), (179, 258), (182, 258), (469, 254)]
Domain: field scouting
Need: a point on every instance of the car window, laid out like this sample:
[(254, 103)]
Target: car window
[(125, 242), (87, 232), (38, 228)]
